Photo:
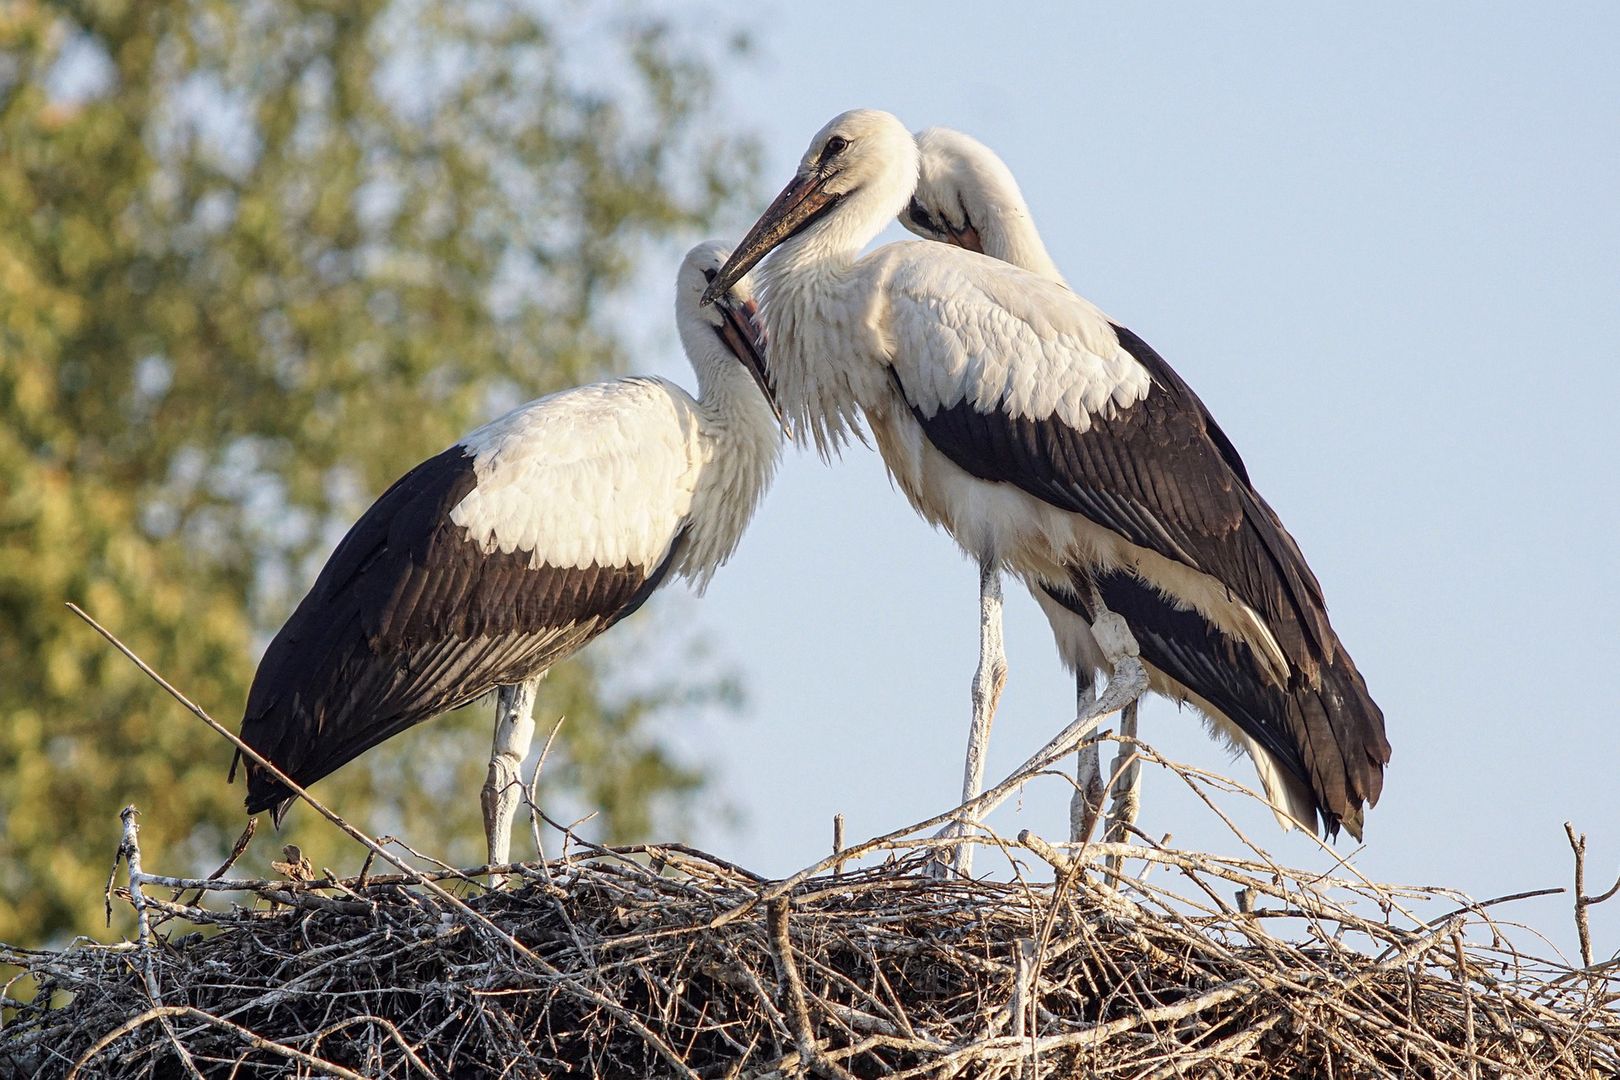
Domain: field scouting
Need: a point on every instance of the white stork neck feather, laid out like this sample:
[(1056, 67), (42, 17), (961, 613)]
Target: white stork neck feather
[(738, 440), (1009, 234), (726, 393), (739, 446), (817, 295), (818, 312)]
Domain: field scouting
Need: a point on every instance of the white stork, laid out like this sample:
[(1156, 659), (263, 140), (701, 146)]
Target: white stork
[(1040, 435), (967, 196), (485, 565)]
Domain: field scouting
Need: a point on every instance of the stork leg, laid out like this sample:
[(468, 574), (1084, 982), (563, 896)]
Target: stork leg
[(1126, 683), (1125, 793), (1114, 637), (1086, 802), (988, 682), (503, 788)]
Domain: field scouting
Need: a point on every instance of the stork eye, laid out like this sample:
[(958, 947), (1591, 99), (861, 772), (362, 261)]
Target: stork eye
[(710, 273), (835, 146), (922, 218)]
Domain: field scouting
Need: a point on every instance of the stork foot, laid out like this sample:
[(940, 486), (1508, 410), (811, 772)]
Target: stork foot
[(1114, 637), (1126, 685)]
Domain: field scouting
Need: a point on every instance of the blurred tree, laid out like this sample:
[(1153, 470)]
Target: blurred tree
[(256, 259)]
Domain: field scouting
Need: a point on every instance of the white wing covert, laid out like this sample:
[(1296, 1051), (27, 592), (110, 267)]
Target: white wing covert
[(967, 327), (599, 474)]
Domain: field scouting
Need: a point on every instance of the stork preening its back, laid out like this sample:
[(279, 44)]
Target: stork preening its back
[(485, 565), (1042, 437), (966, 196)]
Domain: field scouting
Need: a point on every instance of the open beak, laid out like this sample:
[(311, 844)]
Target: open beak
[(744, 335), (799, 204)]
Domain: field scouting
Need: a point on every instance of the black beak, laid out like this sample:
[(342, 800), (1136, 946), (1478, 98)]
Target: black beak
[(744, 335), (799, 204)]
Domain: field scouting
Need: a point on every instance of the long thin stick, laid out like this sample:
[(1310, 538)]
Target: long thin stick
[(129, 850), (163, 1012), (804, 1034), (270, 767), (1582, 901)]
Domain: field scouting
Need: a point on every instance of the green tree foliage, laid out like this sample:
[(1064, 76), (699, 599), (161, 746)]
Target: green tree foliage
[(256, 259)]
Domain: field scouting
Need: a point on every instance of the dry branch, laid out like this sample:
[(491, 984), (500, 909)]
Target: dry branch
[(1583, 929)]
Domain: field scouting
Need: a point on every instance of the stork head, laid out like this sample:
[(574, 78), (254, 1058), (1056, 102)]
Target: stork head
[(733, 317), (959, 179), (858, 172), (967, 196)]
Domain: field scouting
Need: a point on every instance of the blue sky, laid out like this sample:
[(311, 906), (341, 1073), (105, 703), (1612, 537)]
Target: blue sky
[(1382, 242)]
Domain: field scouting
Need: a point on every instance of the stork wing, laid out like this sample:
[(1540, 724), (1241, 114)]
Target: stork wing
[(1018, 380), (479, 568)]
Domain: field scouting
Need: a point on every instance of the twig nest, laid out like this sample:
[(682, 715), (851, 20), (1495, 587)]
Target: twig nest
[(630, 973)]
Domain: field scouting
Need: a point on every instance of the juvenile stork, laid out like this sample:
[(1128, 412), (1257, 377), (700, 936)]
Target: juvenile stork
[(1040, 435), (967, 196), (485, 565)]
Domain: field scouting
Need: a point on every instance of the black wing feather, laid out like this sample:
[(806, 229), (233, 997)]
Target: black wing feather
[(1162, 475), (409, 619)]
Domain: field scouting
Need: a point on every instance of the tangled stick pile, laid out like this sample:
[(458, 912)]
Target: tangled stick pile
[(665, 961)]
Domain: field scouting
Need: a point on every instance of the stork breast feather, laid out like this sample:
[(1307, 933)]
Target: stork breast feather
[(968, 327), (601, 474)]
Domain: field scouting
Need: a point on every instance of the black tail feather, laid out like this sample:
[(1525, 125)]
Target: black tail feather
[(1327, 734)]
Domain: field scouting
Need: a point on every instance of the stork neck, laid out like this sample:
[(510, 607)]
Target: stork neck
[(1011, 236), (809, 260), (741, 443), (818, 299), (816, 304), (727, 392)]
